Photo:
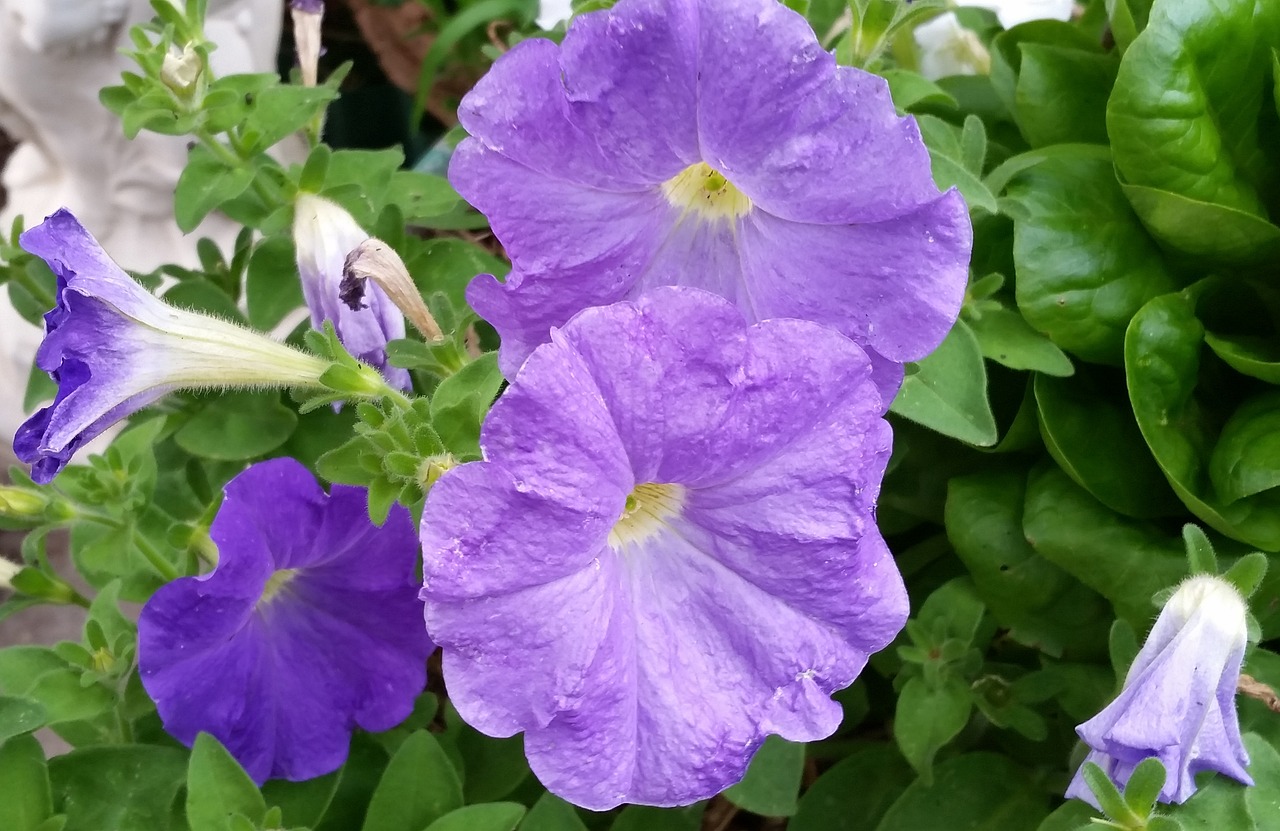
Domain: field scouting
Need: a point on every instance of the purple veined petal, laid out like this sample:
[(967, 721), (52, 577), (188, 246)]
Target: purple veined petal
[(757, 478), (806, 140), (273, 652), (899, 295), (324, 234)]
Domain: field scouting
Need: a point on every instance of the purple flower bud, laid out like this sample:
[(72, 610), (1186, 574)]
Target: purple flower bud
[(1178, 702)]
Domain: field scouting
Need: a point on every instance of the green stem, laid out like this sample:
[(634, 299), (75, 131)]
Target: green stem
[(162, 566)]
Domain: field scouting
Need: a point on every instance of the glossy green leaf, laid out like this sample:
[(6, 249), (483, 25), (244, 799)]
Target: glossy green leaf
[(855, 793), (551, 813), (419, 787), (27, 801), (238, 426), (1041, 604), (976, 791), (218, 788), (1006, 338), (1162, 357), (488, 816), (1125, 560), (1090, 431), (1062, 92), (928, 718), (1081, 282), (947, 392), (1184, 118), (1210, 232), (911, 89), (1253, 356), (1246, 459), (1128, 19), (120, 788), (460, 402), (772, 782), (37, 674), (645, 818)]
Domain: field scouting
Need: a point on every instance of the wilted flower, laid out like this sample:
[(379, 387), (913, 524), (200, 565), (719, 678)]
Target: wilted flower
[(1178, 702), (324, 234), (669, 551), (715, 144), (375, 260), (113, 348), (307, 628)]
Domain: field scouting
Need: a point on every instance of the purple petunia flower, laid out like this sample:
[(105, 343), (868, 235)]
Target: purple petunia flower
[(669, 551), (715, 144), (1178, 702), (113, 348), (307, 627), (324, 234)]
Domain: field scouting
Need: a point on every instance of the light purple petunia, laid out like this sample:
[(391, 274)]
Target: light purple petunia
[(113, 348), (1178, 703), (669, 551), (715, 144), (324, 234), (307, 628)]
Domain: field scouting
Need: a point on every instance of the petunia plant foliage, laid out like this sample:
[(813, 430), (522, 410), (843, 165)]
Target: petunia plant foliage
[(735, 420)]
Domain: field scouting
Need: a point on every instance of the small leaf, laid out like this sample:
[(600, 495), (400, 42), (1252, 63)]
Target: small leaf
[(1108, 796), (19, 716), (419, 787), (238, 426), (204, 185), (489, 816), (217, 788), (1201, 558), (551, 813), (772, 782), (948, 391), (27, 800), (1143, 788)]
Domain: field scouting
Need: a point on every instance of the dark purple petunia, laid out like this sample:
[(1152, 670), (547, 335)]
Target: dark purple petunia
[(715, 144), (1179, 698), (669, 551), (307, 628), (113, 348)]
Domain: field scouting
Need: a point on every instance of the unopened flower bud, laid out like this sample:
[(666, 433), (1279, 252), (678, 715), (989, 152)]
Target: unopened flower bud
[(375, 260), (1178, 702), (181, 70), (307, 17), (17, 503)]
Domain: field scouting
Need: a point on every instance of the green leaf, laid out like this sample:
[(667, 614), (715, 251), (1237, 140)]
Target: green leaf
[(1162, 357), (419, 787), (645, 818), (205, 183), (1128, 19), (910, 89), (203, 295), (218, 788), (1248, 573), (1105, 791), (460, 402), (1091, 433), (772, 781), (1143, 787), (238, 426), (1184, 118), (490, 816), (1246, 459), (1006, 338), (357, 781), (551, 813), (1040, 603), (1124, 560), (280, 110), (27, 801), (1062, 94), (948, 391), (38, 674), (1201, 558), (272, 287), (120, 788), (854, 793), (19, 716), (493, 768), (976, 792), (421, 195), (1072, 815), (1081, 282), (1253, 356), (928, 718), (1206, 231), (301, 803)]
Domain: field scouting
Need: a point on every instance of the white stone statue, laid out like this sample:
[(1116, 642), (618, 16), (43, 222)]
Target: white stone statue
[(55, 56)]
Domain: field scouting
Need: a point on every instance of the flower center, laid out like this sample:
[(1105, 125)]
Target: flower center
[(648, 508), (705, 191), (276, 583)]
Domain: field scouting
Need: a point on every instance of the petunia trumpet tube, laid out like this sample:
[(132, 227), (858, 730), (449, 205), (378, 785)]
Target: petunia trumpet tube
[(712, 144), (1178, 704), (113, 348), (669, 551)]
